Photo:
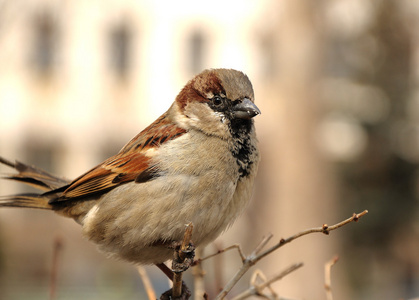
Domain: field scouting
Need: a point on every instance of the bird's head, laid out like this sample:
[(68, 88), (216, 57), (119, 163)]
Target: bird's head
[(216, 100)]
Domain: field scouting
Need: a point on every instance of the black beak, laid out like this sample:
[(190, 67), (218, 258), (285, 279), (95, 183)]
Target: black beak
[(245, 110)]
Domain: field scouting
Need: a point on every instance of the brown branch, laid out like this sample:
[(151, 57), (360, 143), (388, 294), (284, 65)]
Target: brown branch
[(219, 274), (327, 277), (177, 277), (235, 246), (325, 229), (253, 284), (256, 256), (259, 274), (58, 246), (198, 275), (258, 289), (147, 283)]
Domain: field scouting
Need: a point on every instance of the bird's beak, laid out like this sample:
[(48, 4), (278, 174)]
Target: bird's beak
[(245, 110)]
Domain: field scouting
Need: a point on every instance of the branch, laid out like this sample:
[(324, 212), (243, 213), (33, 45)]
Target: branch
[(198, 276), (235, 246), (58, 246), (258, 289), (181, 256), (253, 258), (327, 277), (147, 283), (325, 229)]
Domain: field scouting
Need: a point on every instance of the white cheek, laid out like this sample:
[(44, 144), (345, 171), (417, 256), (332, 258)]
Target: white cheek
[(221, 116), (187, 118)]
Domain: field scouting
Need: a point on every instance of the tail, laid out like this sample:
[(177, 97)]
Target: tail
[(25, 200), (34, 177)]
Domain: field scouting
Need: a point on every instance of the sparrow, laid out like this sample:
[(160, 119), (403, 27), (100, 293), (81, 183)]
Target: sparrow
[(196, 163)]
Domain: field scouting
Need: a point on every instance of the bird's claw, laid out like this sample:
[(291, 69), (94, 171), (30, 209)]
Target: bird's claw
[(184, 259)]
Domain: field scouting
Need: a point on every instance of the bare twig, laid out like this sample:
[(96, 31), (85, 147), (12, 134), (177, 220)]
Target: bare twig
[(255, 256), (147, 283), (262, 244), (254, 279), (58, 245), (218, 264), (177, 277), (325, 229), (235, 246), (258, 276), (198, 275), (327, 277), (258, 289)]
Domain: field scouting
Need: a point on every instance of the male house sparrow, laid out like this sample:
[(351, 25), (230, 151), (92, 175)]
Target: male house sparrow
[(196, 163)]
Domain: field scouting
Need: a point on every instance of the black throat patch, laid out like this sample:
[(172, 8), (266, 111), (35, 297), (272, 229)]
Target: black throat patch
[(242, 148)]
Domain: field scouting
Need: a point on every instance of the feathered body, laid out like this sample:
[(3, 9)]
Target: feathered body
[(196, 163)]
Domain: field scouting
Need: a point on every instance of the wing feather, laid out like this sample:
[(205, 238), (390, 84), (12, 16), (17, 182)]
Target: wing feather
[(132, 163)]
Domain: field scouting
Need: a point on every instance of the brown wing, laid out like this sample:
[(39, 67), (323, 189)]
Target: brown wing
[(131, 164)]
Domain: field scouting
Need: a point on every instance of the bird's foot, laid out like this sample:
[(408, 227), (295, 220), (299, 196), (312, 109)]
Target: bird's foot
[(183, 259)]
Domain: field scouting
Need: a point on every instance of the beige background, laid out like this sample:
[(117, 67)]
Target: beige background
[(337, 84)]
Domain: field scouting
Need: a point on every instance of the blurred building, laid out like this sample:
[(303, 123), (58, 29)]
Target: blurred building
[(337, 85), (77, 81)]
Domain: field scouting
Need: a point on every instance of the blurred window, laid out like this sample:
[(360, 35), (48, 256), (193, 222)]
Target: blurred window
[(120, 43), (41, 154), (196, 52), (44, 44), (268, 62)]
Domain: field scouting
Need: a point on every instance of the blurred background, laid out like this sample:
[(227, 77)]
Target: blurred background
[(337, 82)]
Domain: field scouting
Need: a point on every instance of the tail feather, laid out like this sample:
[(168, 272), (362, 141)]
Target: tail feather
[(33, 176), (25, 200)]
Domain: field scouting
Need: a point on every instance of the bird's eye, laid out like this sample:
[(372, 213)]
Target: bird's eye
[(217, 100)]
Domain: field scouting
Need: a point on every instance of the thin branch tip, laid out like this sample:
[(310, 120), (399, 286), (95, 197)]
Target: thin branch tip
[(356, 217), (327, 276), (258, 254)]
